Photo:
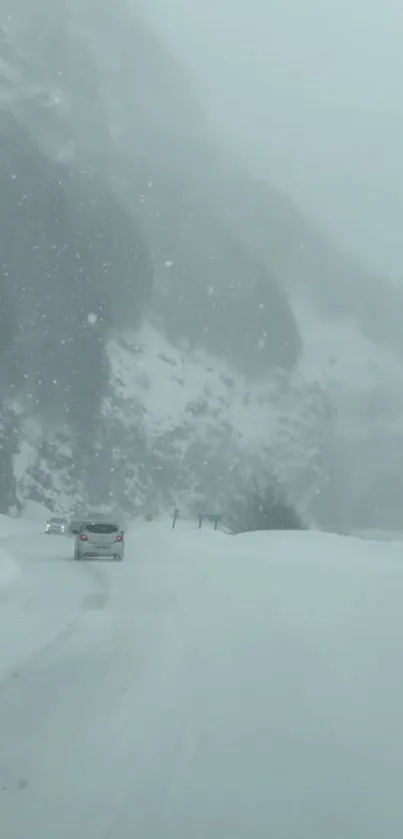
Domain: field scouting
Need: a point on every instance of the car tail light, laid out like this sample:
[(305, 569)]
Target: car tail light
[(119, 537), (83, 537)]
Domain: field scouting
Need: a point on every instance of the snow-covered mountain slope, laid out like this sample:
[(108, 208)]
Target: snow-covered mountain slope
[(182, 427), (110, 178), (330, 430)]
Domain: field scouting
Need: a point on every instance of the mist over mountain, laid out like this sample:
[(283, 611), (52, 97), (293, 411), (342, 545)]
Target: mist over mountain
[(124, 109), (308, 94), (122, 217)]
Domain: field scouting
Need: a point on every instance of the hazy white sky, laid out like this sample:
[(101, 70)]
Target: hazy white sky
[(310, 92)]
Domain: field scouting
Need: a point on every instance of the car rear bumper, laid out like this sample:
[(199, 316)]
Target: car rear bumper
[(100, 553)]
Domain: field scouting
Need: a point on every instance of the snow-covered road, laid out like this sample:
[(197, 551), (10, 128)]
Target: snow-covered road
[(207, 686)]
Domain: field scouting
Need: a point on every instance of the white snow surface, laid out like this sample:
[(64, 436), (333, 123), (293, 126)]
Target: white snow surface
[(8, 570), (209, 685), (166, 380)]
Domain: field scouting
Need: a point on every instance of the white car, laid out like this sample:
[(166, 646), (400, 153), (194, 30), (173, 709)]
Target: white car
[(56, 525), (100, 539)]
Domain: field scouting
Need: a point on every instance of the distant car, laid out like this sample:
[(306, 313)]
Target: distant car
[(56, 524), (100, 539)]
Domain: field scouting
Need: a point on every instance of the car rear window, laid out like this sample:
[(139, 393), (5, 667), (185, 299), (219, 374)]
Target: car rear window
[(102, 528)]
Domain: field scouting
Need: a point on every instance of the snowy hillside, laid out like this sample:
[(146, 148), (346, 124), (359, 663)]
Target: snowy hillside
[(183, 427), (118, 204)]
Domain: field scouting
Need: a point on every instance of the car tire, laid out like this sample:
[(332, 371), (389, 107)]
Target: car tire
[(118, 557)]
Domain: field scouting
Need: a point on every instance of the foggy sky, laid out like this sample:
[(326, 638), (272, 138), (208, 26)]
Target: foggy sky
[(310, 93)]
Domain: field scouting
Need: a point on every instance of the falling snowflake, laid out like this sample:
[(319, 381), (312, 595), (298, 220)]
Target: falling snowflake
[(168, 264), (92, 318)]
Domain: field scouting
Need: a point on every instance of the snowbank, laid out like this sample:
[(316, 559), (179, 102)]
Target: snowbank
[(33, 520), (35, 513), (9, 569), (286, 702)]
